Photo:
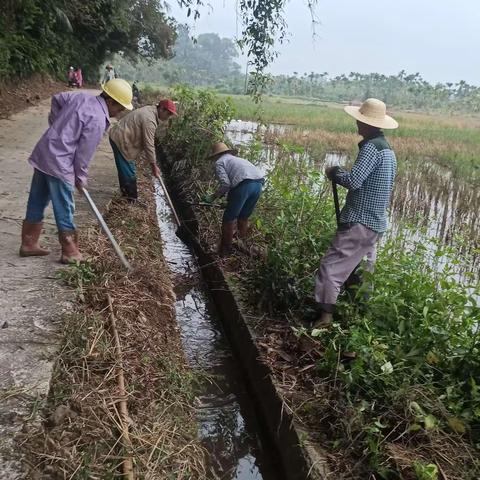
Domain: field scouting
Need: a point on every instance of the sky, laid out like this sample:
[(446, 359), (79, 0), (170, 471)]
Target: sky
[(440, 39)]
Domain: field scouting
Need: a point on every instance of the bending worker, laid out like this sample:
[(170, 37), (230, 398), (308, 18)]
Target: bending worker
[(363, 219), (77, 122), (243, 181), (134, 134)]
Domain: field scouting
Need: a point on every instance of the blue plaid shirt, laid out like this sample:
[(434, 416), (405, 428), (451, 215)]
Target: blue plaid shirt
[(369, 184)]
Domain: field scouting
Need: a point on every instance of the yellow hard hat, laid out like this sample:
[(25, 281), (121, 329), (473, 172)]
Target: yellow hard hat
[(120, 90)]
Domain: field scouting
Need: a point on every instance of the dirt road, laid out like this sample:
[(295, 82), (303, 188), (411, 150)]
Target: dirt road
[(32, 299)]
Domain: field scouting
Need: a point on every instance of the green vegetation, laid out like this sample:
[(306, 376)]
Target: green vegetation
[(189, 138), (402, 90), (395, 380), (451, 142), (38, 36), (209, 60)]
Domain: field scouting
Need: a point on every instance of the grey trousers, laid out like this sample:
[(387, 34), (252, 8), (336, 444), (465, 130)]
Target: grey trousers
[(351, 244)]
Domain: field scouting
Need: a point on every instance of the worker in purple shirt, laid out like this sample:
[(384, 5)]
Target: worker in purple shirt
[(77, 122)]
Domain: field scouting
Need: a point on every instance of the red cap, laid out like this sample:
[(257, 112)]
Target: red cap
[(168, 105)]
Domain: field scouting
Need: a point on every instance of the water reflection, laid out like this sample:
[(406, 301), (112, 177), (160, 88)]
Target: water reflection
[(227, 425), (425, 194)]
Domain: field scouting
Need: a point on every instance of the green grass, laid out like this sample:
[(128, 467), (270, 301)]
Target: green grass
[(331, 117), (450, 141)]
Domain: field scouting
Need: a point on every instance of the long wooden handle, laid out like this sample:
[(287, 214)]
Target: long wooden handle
[(127, 464), (336, 202), (169, 200), (105, 228)]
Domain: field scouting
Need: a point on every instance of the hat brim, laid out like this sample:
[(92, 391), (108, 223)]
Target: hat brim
[(127, 106), (233, 151), (386, 122)]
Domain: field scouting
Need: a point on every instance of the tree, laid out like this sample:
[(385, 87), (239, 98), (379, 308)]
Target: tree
[(49, 35)]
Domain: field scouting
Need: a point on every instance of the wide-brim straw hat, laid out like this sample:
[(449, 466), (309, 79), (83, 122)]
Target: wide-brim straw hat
[(221, 147), (372, 112)]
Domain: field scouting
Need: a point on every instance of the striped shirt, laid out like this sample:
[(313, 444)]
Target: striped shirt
[(369, 184)]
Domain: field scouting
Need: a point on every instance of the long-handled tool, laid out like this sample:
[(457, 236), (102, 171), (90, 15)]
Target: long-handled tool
[(206, 204), (169, 200), (182, 231), (105, 228), (354, 277), (336, 202)]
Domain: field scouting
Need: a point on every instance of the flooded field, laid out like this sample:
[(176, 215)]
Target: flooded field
[(426, 195)]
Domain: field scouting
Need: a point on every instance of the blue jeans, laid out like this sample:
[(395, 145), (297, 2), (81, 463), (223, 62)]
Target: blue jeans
[(127, 173), (45, 188), (242, 199)]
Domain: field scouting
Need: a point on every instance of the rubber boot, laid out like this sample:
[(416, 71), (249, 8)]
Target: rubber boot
[(129, 191), (69, 241), (30, 235), (228, 229), (323, 321), (242, 228)]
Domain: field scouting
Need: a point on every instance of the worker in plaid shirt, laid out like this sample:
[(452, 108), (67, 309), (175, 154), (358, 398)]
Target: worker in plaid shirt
[(363, 219)]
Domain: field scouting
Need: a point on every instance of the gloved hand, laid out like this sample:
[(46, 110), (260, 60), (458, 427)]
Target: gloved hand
[(207, 198)]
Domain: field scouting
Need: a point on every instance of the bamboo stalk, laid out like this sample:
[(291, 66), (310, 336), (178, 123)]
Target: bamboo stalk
[(127, 465)]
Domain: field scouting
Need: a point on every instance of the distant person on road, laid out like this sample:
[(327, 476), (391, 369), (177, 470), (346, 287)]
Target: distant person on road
[(60, 159), (136, 95), (79, 77), (71, 77), (109, 73), (363, 219), (242, 182), (133, 135)]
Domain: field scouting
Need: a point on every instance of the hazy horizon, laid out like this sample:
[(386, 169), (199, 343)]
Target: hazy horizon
[(383, 37)]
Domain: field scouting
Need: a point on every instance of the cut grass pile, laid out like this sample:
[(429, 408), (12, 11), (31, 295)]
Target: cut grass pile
[(81, 435)]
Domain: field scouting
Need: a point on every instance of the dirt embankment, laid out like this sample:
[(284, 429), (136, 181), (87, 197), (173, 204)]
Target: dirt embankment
[(82, 430), (46, 324), (15, 96)]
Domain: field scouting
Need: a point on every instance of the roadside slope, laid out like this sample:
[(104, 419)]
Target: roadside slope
[(32, 301)]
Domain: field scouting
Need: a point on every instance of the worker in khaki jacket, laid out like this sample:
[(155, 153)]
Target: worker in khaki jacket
[(133, 135)]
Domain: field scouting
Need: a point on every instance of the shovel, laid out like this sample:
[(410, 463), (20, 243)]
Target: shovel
[(354, 277), (106, 230), (336, 202), (182, 231)]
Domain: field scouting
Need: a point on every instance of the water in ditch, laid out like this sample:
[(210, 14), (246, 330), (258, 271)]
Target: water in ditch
[(227, 424)]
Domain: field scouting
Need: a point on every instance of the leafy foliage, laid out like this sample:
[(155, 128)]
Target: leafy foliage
[(207, 61), (48, 36), (202, 121)]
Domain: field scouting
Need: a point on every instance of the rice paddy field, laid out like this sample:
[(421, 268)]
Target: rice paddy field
[(437, 186)]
